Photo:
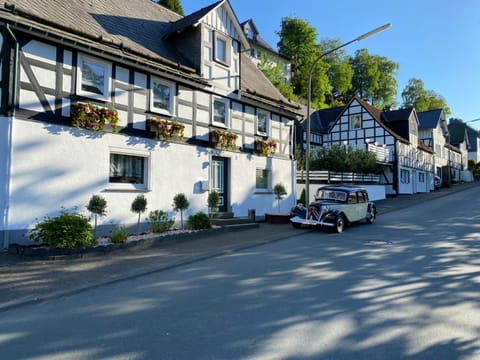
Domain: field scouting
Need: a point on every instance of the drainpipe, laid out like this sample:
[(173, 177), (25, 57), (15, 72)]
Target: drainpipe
[(9, 139)]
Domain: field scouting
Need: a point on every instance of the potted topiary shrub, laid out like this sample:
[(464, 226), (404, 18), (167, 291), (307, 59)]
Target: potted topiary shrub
[(98, 207), (279, 191), (180, 203), (139, 206), (213, 201)]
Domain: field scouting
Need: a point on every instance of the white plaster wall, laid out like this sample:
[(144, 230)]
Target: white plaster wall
[(244, 194), (55, 166), (5, 124)]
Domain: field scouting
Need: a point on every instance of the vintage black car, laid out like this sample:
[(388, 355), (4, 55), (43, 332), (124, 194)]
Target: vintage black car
[(335, 207)]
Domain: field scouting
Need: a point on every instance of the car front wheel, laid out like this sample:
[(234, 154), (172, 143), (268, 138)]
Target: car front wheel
[(372, 215), (340, 224)]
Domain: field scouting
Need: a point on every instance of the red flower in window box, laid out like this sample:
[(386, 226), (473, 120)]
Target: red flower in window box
[(166, 130), (265, 147), (93, 117), (224, 139)]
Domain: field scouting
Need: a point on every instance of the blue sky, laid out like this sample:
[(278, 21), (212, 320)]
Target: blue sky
[(437, 41)]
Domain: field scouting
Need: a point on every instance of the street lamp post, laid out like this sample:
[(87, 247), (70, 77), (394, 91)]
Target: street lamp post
[(309, 99)]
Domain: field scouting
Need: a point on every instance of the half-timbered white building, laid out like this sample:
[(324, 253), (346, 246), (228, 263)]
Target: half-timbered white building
[(144, 62), (392, 135), (433, 131)]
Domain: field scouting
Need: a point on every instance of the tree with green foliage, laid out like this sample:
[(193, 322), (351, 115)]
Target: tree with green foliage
[(374, 78), (173, 5), (339, 158), (298, 43), (415, 95), (273, 71), (339, 72)]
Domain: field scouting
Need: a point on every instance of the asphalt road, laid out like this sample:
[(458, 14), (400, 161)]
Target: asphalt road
[(406, 287)]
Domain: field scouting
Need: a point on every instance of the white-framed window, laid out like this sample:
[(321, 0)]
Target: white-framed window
[(421, 177), (128, 170), (262, 179), (356, 121), (220, 112), (263, 120), (404, 176), (222, 49), (93, 77), (162, 96)]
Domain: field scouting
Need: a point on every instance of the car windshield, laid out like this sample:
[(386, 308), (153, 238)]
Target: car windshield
[(331, 195)]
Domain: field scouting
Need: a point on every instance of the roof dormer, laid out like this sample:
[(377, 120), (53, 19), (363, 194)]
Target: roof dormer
[(213, 39)]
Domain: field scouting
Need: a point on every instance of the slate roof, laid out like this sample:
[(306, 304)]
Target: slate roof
[(397, 120), (323, 120), (136, 25), (472, 134), (254, 82), (429, 119), (258, 40), (133, 29), (458, 133), (192, 19)]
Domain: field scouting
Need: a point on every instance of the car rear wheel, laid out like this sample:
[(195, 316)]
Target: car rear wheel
[(372, 215), (339, 224)]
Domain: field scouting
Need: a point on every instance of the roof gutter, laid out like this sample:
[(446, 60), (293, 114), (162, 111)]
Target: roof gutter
[(8, 162)]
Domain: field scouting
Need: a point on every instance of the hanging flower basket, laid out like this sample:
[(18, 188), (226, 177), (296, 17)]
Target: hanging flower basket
[(265, 147), (93, 117), (224, 139), (166, 130)]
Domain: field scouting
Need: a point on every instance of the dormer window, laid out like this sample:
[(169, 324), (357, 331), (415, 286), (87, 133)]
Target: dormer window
[(93, 77), (222, 46)]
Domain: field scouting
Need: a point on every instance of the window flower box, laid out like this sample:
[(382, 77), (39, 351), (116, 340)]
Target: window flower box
[(93, 117), (265, 147), (166, 130), (224, 139)]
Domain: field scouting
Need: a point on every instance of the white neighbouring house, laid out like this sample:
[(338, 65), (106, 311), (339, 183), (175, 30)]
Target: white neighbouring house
[(144, 61), (406, 161), (260, 49)]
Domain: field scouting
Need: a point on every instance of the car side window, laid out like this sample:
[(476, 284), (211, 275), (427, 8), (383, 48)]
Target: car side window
[(361, 197), (352, 198), (341, 196)]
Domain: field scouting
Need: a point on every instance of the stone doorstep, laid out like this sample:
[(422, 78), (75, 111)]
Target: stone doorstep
[(232, 221)]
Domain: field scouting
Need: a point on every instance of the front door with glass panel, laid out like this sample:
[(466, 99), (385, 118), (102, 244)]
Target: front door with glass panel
[(219, 168)]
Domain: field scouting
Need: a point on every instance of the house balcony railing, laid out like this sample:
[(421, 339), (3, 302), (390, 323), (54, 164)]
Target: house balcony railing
[(382, 153), (328, 177)]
